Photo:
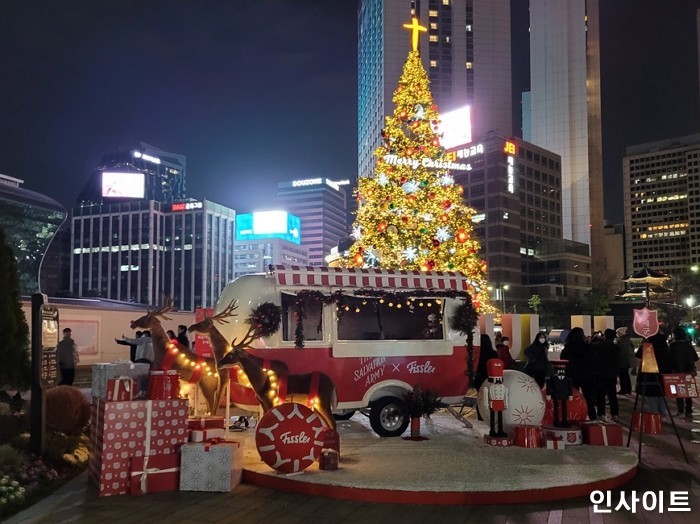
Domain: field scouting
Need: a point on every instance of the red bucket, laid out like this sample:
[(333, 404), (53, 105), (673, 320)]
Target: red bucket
[(163, 385), (528, 436), (651, 423)]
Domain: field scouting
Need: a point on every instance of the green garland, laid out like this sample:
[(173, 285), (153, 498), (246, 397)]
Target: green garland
[(464, 320), (265, 319)]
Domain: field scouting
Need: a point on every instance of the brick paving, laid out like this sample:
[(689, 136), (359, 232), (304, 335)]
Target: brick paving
[(662, 469)]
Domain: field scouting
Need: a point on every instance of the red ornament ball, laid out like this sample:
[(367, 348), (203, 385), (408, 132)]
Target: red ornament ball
[(446, 204), (461, 236), (436, 242)]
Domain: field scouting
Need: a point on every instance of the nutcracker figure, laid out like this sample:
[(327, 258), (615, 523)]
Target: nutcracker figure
[(559, 390), (496, 396)]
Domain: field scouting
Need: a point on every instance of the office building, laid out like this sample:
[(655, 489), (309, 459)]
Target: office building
[(141, 172), (467, 54), (565, 111), (321, 205), (30, 221), (140, 250), (268, 237), (661, 182), (515, 188)]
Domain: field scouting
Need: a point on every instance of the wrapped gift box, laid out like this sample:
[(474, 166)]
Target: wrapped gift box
[(152, 474), (124, 430), (211, 467), (602, 434), (120, 389), (554, 443), (328, 459), (101, 373), (202, 435), (206, 423)]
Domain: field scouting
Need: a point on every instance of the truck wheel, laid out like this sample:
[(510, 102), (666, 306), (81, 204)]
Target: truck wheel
[(345, 415), (386, 417)]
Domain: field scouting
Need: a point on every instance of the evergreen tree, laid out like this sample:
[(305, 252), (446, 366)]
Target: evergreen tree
[(411, 214), (14, 331)]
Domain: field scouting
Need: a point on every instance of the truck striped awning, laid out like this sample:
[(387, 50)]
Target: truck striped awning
[(372, 278)]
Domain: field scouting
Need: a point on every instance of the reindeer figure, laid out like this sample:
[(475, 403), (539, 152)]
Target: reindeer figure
[(265, 382), (180, 358)]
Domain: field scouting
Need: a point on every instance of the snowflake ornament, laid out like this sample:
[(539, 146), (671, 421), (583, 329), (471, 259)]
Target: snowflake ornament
[(410, 187), (446, 180), (356, 233), (410, 254), (443, 234), (428, 217), (382, 179)]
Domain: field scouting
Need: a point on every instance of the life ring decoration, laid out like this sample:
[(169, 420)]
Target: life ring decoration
[(288, 437)]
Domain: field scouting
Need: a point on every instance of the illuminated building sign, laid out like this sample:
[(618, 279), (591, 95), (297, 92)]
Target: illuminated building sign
[(511, 174), (455, 127), (187, 206), (415, 163), (335, 184), (509, 148), (268, 224), (147, 158)]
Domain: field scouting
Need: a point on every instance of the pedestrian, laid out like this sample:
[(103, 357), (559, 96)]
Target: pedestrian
[(503, 352), (486, 353), (132, 347), (579, 368), (171, 335), (625, 360), (182, 337), (606, 370), (538, 366), (144, 347), (649, 384), (682, 360), (67, 353)]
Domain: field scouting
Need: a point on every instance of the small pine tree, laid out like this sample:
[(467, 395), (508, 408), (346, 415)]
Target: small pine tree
[(14, 332)]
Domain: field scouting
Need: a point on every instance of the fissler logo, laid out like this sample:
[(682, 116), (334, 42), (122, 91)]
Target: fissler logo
[(301, 438), (414, 367)]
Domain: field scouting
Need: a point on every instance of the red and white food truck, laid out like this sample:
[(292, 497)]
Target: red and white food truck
[(387, 333)]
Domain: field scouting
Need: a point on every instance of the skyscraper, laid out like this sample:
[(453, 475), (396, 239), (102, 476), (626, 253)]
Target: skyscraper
[(466, 54), (565, 110)]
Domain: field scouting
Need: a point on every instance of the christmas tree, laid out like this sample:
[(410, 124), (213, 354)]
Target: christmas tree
[(410, 211)]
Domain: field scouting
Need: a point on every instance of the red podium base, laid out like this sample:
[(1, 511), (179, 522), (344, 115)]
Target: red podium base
[(528, 436), (651, 423)]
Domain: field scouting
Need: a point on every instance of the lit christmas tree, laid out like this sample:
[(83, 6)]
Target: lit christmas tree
[(410, 211)]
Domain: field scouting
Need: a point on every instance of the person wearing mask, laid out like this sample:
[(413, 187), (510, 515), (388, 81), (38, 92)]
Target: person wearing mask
[(579, 368), (606, 367), (625, 360), (182, 337), (649, 384), (503, 352), (67, 353), (682, 360), (132, 347), (538, 366), (144, 347)]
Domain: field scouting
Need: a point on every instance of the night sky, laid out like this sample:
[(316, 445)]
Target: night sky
[(258, 91)]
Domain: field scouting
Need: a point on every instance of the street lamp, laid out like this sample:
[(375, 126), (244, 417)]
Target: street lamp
[(503, 296), (690, 301)]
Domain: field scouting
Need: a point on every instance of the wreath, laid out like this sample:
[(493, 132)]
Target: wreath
[(265, 320), (464, 320)]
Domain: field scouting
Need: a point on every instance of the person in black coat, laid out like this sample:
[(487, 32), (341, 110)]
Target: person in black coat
[(682, 360), (579, 368), (182, 337), (605, 363), (649, 384), (537, 361), (486, 353)]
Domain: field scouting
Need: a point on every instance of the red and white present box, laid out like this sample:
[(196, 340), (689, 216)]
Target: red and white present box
[(152, 474), (202, 435), (602, 434), (211, 466), (554, 443), (122, 388), (206, 423), (123, 430)]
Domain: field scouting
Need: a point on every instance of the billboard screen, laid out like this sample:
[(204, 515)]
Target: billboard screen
[(268, 224), (123, 185), (456, 128)]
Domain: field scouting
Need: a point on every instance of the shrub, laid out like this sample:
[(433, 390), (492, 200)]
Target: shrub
[(67, 410)]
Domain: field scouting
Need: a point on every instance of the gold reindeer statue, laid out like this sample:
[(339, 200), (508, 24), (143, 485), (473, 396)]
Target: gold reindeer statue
[(265, 382), (170, 355)]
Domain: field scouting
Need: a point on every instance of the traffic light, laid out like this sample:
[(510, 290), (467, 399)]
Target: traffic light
[(690, 330)]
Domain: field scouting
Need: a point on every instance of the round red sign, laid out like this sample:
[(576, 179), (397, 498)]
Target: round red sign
[(288, 437)]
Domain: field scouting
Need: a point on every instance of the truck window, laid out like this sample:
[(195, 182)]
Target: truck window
[(313, 321), (372, 319)]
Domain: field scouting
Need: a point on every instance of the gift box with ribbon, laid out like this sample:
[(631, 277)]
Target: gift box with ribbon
[(211, 466), (156, 473), (554, 442), (601, 434), (206, 423), (102, 372), (120, 389), (202, 435), (124, 430)]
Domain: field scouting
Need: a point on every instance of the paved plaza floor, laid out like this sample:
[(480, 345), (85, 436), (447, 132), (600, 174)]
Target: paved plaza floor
[(662, 470)]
